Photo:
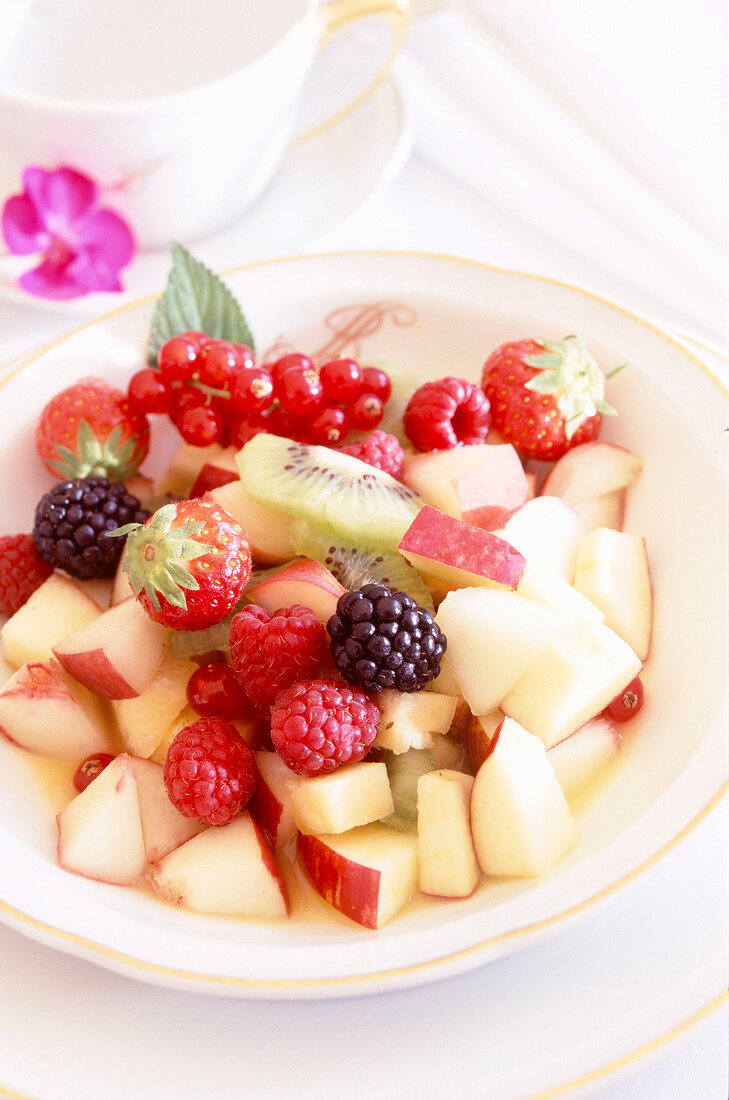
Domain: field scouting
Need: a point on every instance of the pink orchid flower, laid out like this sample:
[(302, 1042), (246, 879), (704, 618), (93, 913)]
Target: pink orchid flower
[(84, 246)]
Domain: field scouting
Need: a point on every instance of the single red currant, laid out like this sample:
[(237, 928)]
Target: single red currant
[(220, 363), (200, 425), (341, 379), (366, 412), (147, 391), (378, 382), (285, 362), (300, 391), (627, 703), (245, 427), (252, 390), (178, 356), (88, 770), (329, 426), (215, 691)]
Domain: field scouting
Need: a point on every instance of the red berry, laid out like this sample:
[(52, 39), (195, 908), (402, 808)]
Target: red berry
[(300, 391), (209, 771), (366, 412), (316, 725), (252, 390), (286, 362), (177, 358), (200, 425), (220, 363), (88, 770), (443, 414), (286, 424), (329, 426), (627, 704), (376, 381), (245, 427), (215, 691), (379, 449), (22, 570), (147, 391), (271, 651), (341, 379)]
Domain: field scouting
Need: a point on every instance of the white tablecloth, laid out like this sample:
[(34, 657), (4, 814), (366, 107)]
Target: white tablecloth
[(584, 141)]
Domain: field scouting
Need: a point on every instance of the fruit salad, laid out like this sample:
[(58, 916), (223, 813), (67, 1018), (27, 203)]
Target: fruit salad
[(364, 640)]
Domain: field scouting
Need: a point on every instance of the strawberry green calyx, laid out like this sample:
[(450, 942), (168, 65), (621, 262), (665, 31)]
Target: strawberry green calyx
[(156, 553), (113, 459), (568, 371)]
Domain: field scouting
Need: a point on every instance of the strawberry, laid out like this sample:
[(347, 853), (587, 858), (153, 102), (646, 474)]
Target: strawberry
[(188, 564), (90, 428), (22, 570), (546, 396)]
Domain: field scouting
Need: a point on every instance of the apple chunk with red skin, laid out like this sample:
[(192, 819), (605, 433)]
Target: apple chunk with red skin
[(116, 655), (228, 869), (56, 608), (304, 582), (590, 470), (45, 711), (487, 494), (458, 553), (219, 470), (579, 758), (520, 820), (100, 830), (271, 802), (368, 874)]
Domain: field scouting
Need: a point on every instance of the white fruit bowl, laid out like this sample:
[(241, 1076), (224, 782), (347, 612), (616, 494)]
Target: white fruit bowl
[(433, 316)]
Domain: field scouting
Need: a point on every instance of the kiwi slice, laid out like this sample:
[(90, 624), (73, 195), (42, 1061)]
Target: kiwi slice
[(365, 506), (354, 567), (404, 770)]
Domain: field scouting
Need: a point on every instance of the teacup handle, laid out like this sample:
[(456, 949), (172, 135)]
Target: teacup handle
[(336, 16)]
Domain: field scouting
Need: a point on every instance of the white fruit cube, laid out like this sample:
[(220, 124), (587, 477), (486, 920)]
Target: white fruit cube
[(574, 678), (520, 820), (408, 720), (145, 720), (603, 510), (592, 469), (228, 869), (447, 864), (117, 654), (368, 874), (58, 607), (353, 795), (164, 828), (493, 636), (551, 588), (545, 530), (271, 802), (44, 711), (612, 571), (581, 757), (100, 830)]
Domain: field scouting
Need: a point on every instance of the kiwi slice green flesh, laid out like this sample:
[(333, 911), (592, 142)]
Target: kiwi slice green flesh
[(404, 770), (354, 566), (364, 505)]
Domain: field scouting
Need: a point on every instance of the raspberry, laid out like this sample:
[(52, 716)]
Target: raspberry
[(442, 414), (209, 771), (22, 570), (379, 449), (317, 725), (270, 652)]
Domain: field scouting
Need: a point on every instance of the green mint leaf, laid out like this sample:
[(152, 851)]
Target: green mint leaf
[(196, 299)]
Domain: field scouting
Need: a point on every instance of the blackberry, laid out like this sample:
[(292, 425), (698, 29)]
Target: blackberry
[(71, 522), (381, 638)]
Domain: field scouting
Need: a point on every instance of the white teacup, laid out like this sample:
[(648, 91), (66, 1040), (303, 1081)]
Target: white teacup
[(180, 111)]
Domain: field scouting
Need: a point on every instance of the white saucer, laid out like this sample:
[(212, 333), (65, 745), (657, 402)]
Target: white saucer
[(322, 182)]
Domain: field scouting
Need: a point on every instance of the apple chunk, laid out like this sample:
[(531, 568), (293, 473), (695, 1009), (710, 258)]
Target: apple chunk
[(612, 571), (220, 470), (433, 475), (487, 494), (409, 720), (353, 795), (447, 864), (580, 758), (55, 609), (268, 531), (164, 828), (229, 869), (592, 469), (368, 874), (271, 802), (521, 823), (574, 678), (117, 654), (304, 582), (45, 711), (545, 530), (145, 720), (100, 830), (458, 553)]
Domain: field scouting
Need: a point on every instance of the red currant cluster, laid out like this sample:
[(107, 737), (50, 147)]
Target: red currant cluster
[(214, 392)]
